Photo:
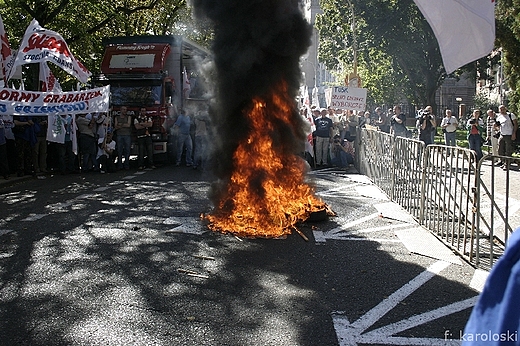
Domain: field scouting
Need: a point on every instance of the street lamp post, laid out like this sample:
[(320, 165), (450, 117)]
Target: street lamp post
[(353, 78), (459, 109)]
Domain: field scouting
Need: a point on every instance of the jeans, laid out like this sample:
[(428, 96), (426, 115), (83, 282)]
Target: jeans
[(145, 149), (475, 143), (450, 138), (182, 141), (123, 150)]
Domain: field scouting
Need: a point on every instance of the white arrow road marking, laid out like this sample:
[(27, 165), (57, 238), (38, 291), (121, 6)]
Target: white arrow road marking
[(338, 233), (350, 334), (386, 332), (340, 191)]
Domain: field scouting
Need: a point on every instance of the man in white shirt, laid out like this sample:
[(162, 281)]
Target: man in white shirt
[(508, 124), (449, 126)]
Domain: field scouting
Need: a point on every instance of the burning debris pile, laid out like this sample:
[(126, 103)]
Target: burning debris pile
[(261, 189)]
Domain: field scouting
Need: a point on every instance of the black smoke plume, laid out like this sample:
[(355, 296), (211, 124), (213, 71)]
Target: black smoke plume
[(257, 44)]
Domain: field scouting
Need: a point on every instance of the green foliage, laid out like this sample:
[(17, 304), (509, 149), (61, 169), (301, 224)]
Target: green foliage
[(482, 102), (508, 37), (398, 55), (84, 24)]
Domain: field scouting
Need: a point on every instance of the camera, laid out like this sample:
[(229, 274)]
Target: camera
[(472, 121), (336, 141)]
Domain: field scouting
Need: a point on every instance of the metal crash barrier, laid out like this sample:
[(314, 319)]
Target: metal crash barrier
[(466, 204)]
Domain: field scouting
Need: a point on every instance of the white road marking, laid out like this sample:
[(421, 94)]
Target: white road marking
[(479, 280), (351, 334)]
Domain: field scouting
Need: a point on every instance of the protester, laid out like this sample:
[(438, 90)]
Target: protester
[(342, 152), (382, 122), (40, 148), (398, 123), (491, 132), (87, 143), (323, 133), (106, 153), (433, 131), (508, 125), (475, 127), (364, 119), (201, 140), (143, 125), (184, 141), (449, 125), (123, 128), (25, 137), (12, 153), (4, 165), (66, 156)]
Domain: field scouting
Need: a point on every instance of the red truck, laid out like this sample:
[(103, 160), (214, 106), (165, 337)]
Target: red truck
[(147, 71)]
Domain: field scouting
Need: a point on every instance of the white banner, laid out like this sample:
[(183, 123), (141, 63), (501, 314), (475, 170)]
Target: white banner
[(39, 45), (35, 103), (344, 97)]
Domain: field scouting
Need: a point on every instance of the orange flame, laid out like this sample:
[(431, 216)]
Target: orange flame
[(267, 194)]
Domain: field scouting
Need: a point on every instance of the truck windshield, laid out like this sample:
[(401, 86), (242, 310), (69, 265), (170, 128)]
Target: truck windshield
[(132, 95)]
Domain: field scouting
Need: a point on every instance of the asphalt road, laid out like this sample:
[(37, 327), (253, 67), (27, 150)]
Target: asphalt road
[(124, 259)]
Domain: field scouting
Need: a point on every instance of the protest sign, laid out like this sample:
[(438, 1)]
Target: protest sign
[(344, 97)]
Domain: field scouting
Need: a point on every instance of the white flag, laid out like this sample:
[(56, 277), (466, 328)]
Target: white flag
[(56, 129), (186, 87), (465, 29), (48, 81), (39, 45)]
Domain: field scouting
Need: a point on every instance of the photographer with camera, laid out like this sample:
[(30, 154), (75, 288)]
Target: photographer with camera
[(426, 125), (449, 127), (475, 127), (398, 124), (342, 152)]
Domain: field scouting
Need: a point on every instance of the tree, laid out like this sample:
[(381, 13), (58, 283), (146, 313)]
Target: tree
[(390, 32), (84, 23), (508, 38)]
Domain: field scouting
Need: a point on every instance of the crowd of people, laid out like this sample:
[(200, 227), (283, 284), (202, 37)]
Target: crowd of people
[(334, 130), (94, 142)]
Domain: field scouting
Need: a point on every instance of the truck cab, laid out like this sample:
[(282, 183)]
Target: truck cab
[(146, 71)]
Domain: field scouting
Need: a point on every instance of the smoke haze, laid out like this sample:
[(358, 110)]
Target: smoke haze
[(257, 45)]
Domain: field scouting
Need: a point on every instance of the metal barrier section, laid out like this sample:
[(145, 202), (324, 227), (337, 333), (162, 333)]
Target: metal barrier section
[(498, 208), (450, 197), (407, 167), (469, 205)]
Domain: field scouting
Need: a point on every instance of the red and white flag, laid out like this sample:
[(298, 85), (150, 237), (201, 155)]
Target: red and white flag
[(186, 87), (48, 81), (465, 29), (6, 55), (39, 45), (309, 143)]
